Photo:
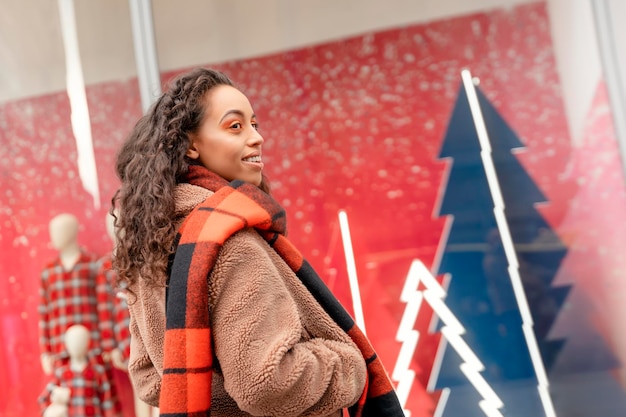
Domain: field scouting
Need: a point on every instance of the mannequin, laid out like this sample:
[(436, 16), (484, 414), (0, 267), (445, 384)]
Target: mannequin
[(119, 355), (63, 231), (71, 271), (80, 387), (70, 294)]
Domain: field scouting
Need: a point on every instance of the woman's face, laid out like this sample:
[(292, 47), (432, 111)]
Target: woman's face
[(227, 141)]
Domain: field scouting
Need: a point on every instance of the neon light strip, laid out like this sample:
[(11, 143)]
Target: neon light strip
[(441, 405), (350, 264), (507, 243), (402, 372), (81, 125)]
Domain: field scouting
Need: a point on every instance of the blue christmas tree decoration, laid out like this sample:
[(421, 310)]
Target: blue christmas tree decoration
[(481, 293)]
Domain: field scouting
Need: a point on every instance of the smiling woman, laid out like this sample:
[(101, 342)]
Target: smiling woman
[(262, 335), (355, 99)]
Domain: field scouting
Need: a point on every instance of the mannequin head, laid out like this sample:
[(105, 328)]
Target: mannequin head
[(63, 231), (77, 341)]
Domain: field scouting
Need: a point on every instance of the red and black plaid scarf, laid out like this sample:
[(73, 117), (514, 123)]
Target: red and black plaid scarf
[(187, 362)]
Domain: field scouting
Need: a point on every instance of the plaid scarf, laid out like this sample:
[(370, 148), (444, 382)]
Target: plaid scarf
[(188, 358)]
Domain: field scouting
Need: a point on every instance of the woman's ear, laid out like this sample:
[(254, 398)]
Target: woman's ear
[(192, 152)]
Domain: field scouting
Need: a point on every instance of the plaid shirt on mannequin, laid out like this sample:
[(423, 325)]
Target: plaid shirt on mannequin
[(122, 323), (74, 297), (91, 394)]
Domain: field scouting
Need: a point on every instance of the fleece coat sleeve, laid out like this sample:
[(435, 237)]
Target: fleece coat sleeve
[(147, 329), (279, 352)]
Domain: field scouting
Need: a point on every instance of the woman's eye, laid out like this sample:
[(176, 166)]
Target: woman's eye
[(255, 126), (236, 125)]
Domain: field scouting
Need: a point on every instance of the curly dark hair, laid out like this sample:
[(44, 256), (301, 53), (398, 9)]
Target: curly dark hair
[(150, 164)]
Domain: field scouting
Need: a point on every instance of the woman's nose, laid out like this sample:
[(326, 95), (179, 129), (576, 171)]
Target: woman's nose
[(256, 138)]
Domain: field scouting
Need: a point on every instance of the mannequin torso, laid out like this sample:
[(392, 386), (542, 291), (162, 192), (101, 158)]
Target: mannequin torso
[(69, 295)]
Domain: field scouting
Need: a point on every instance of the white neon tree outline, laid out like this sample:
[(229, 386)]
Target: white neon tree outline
[(434, 294)]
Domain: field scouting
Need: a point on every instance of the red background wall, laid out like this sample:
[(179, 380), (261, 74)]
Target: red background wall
[(351, 125)]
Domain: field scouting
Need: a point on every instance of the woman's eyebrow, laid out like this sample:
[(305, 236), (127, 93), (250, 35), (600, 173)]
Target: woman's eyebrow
[(237, 112)]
